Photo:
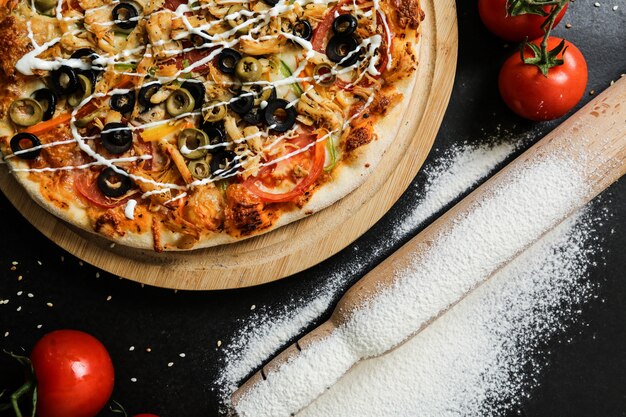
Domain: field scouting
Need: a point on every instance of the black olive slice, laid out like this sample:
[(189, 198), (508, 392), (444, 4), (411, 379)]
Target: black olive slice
[(267, 94), (147, 91), (227, 60), (84, 53), (94, 71), (125, 16), (197, 90), (23, 141), (113, 184), (243, 103), (223, 162), (199, 40), (216, 137), (48, 100), (303, 29), (280, 115), (271, 2), (123, 103), (64, 80), (117, 138), (344, 24), (339, 47), (255, 116)]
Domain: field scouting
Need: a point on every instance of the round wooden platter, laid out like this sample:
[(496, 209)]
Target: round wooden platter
[(302, 244)]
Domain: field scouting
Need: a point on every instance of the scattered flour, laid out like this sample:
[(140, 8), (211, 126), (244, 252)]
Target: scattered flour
[(506, 323), (529, 200), (461, 168), (475, 359), (265, 333)]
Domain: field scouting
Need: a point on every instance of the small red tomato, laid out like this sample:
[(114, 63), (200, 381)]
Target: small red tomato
[(74, 374), (494, 15), (535, 96)]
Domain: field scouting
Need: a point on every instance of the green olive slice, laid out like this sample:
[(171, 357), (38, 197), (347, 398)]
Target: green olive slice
[(25, 112), (189, 140), (215, 111), (323, 74), (179, 102), (45, 5), (249, 69), (85, 88), (199, 169), (239, 19)]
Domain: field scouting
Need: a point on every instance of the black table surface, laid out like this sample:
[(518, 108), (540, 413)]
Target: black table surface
[(585, 374)]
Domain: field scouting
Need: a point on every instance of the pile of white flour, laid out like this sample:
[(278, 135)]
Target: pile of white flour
[(472, 361), (469, 360)]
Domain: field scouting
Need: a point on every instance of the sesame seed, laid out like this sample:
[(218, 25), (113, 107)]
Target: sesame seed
[(62, 258), (39, 326), (39, 262), (19, 278), (6, 334), (30, 295), (97, 274), (80, 263), (615, 7), (50, 304), (133, 380), (19, 293), (219, 343), (182, 355), (252, 307), (19, 308), (131, 348), (568, 25), (109, 298), (14, 263), (170, 364), (148, 349), (112, 245), (596, 4), (13, 268)]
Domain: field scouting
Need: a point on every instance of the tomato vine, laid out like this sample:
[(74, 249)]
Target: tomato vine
[(543, 58)]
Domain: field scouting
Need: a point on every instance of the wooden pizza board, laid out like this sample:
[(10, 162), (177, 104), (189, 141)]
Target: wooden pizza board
[(302, 244)]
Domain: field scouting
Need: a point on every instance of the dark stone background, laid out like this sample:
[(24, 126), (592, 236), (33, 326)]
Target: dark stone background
[(585, 373)]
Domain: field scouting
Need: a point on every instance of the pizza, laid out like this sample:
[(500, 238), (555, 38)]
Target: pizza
[(175, 125)]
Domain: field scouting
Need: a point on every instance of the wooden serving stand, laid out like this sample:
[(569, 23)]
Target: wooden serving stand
[(302, 244)]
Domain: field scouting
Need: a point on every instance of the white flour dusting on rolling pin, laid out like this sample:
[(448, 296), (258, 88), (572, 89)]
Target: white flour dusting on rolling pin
[(267, 331), (451, 257)]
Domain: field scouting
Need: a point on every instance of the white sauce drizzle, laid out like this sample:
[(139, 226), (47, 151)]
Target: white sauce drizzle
[(257, 21), (129, 210)]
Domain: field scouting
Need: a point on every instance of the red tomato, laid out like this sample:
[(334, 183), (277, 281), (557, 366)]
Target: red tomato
[(314, 157), (534, 96), (74, 374), (321, 31), (512, 28), (86, 186), (193, 56), (173, 4)]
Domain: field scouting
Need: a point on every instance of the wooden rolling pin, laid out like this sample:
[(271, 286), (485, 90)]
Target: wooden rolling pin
[(594, 138)]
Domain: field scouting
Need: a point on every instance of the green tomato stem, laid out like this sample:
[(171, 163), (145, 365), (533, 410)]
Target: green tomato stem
[(542, 57)]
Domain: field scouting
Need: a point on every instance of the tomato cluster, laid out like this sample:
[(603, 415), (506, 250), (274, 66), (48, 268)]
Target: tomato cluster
[(549, 76), (73, 375)]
